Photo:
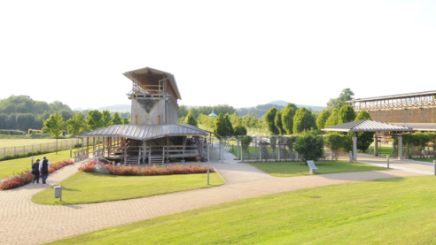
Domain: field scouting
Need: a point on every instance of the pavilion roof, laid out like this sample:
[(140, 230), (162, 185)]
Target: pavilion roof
[(144, 132), (367, 126)]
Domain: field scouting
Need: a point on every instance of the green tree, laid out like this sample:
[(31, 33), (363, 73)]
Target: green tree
[(303, 120), (245, 143), (333, 119), (106, 118), (220, 126), (278, 123), (310, 145), (335, 142), (322, 119), (76, 124), (269, 120), (126, 121), (116, 119), (346, 114), (183, 111), (346, 94), (55, 125), (229, 126), (239, 129), (191, 120), (364, 139), (93, 120), (195, 112), (288, 114)]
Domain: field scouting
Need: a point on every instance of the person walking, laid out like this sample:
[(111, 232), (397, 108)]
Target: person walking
[(35, 171), (43, 168)]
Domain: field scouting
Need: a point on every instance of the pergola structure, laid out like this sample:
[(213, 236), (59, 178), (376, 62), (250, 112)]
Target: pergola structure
[(370, 126)]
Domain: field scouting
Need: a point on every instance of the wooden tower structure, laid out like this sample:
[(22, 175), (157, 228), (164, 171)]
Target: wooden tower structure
[(154, 97)]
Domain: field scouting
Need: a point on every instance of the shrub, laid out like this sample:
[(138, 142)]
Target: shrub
[(148, 170), (57, 165), (239, 129), (335, 142), (245, 142), (310, 145), (18, 180), (26, 177)]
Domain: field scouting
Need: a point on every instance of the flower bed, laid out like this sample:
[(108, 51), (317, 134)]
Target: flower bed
[(57, 165), (149, 170), (18, 180), (26, 177)]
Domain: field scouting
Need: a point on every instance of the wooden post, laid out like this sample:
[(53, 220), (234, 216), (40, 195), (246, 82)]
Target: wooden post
[(125, 153), (93, 143), (198, 145), (87, 147), (143, 151), (168, 147)]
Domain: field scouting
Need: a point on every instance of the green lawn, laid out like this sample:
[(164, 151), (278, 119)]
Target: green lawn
[(424, 159), (390, 211), (11, 167), (93, 187), (251, 150), (291, 169), (385, 150)]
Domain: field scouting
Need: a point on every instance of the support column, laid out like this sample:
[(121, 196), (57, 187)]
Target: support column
[(255, 146), (400, 147), (237, 147), (375, 145), (280, 157), (87, 147), (143, 151), (354, 147), (394, 147)]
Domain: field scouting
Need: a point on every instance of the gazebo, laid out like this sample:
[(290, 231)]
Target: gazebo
[(212, 114), (370, 126)]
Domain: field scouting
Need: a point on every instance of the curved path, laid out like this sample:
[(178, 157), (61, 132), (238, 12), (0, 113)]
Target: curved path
[(24, 222)]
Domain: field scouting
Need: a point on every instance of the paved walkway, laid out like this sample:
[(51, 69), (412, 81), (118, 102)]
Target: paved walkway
[(24, 222), (404, 164)]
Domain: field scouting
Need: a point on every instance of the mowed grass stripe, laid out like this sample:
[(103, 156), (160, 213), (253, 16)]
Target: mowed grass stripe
[(36, 142), (292, 169), (93, 187), (14, 166), (390, 211)]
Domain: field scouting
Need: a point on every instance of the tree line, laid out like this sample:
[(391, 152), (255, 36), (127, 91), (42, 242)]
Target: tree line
[(23, 113)]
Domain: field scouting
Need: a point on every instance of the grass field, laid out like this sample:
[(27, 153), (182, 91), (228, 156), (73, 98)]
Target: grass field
[(390, 211), (424, 159), (291, 169), (385, 150), (11, 167), (93, 187), (26, 142)]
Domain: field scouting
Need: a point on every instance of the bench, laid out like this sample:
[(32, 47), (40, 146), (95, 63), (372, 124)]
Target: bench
[(311, 166)]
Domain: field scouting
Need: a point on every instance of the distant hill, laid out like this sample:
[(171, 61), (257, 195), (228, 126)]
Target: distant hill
[(260, 110), (284, 103), (119, 108)]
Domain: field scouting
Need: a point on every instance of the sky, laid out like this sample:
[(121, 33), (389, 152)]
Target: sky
[(240, 53)]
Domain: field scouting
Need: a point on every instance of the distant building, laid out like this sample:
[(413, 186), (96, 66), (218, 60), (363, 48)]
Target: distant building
[(212, 114), (411, 108)]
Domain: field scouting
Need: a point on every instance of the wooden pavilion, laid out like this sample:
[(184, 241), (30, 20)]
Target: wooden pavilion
[(153, 135)]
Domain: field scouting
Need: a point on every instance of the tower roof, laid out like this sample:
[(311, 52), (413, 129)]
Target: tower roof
[(212, 114), (136, 74)]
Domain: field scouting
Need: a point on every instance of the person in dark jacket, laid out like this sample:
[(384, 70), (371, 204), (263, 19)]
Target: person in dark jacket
[(35, 171), (43, 168)]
